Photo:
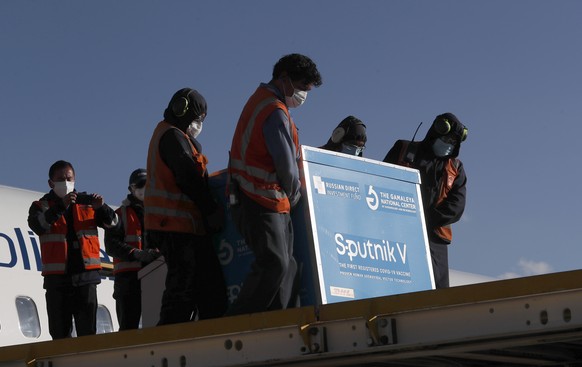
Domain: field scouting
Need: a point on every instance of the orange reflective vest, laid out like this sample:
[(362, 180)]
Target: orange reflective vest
[(133, 237), (251, 165), (53, 243), (166, 208), (450, 173), (451, 170)]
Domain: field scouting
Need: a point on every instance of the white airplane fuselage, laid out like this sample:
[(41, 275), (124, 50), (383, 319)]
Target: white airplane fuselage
[(23, 317)]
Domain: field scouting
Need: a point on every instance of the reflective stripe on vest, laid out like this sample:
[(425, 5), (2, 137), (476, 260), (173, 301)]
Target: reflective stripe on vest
[(52, 237), (246, 136), (166, 208), (259, 174), (256, 176), (87, 233), (168, 196), (132, 230), (56, 268), (54, 244), (90, 261)]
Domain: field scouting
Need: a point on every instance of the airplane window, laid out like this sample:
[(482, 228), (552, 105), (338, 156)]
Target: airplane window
[(28, 317), (104, 323)]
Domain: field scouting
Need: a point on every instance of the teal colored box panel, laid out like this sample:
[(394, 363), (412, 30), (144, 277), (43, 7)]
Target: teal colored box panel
[(367, 233), (364, 237)]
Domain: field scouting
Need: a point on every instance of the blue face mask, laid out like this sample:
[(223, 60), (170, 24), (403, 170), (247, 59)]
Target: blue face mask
[(442, 149), (351, 149)]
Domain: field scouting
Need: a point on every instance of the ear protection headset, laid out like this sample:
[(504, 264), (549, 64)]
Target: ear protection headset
[(180, 105), (443, 127), (341, 131)]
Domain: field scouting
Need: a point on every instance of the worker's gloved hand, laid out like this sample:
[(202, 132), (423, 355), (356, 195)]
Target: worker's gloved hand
[(154, 252), (215, 221), (145, 256)]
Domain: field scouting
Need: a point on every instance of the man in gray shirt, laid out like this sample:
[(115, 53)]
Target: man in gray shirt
[(265, 182)]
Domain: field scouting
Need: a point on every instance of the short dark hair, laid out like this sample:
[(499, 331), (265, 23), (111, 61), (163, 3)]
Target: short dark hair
[(298, 67), (59, 165)]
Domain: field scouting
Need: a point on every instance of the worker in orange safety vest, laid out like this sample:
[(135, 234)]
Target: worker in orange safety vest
[(181, 214), (125, 243), (264, 182), (66, 222)]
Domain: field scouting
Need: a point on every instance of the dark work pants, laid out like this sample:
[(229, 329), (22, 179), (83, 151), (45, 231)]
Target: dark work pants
[(195, 283), (440, 264), (269, 235), (127, 294), (64, 303)]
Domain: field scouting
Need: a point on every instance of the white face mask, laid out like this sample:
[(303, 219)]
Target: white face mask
[(297, 99), (194, 129), (62, 188), (139, 193)]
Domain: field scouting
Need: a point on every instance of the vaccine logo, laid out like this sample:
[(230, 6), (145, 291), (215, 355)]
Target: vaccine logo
[(233, 292), (319, 185), (372, 198), (225, 253)]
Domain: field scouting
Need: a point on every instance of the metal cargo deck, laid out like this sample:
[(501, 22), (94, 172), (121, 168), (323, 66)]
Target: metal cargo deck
[(532, 321)]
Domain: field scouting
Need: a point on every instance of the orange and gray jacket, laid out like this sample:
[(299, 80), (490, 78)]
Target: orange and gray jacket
[(443, 184), (265, 152), (53, 239), (167, 207), (121, 241)]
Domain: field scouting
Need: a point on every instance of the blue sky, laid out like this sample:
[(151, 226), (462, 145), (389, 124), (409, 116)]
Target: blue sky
[(88, 81)]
